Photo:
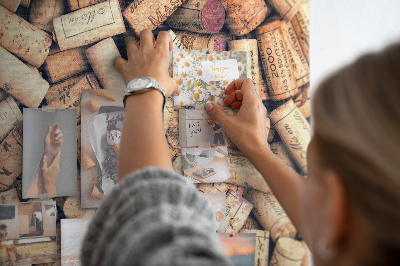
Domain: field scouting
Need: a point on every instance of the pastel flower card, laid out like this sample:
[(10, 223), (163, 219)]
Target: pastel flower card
[(204, 76)]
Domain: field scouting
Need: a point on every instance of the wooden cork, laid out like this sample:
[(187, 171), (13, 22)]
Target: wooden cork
[(306, 259), (65, 64), (219, 188), (23, 39), (9, 197), (78, 4), (264, 94), (176, 44), (11, 5), (294, 131), (44, 11), (251, 223), (274, 56), (101, 57), (10, 115), (301, 25), (250, 46), (71, 99), (237, 211), (11, 157), (286, 8), (279, 149), (244, 16), (23, 83), (72, 209), (297, 59), (202, 16), (302, 100), (58, 88), (262, 245), (194, 41), (287, 252), (149, 14), (88, 25), (25, 3), (270, 214)]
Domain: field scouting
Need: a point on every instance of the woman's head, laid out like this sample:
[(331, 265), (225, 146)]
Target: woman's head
[(356, 118)]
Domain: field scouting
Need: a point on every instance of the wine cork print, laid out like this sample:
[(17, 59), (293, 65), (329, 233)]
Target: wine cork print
[(250, 46), (270, 214), (297, 59), (10, 115), (302, 100), (278, 148), (294, 131), (149, 14), (88, 25), (11, 157), (301, 25), (286, 8), (202, 16), (244, 16), (11, 5), (288, 252), (23, 39), (264, 94), (44, 11), (58, 88), (251, 223), (278, 72), (9, 196), (262, 245), (101, 57), (237, 211), (306, 258), (65, 64), (78, 4), (243, 173), (71, 99), (72, 209), (17, 79), (194, 41), (25, 3), (219, 188)]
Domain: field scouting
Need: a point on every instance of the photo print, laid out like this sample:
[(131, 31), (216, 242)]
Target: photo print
[(204, 76), (198, 129), (240, 248), (102, 114), (218, 201), (206, 165), (72, 233), (49, 153), (33, 233)]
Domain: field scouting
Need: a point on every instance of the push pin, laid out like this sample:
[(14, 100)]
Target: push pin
[(232, 234), (209, 51)]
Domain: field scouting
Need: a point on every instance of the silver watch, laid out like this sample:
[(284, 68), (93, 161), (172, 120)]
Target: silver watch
[(142, 85)]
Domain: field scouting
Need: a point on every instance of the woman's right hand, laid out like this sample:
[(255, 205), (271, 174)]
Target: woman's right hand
[(248, 128)]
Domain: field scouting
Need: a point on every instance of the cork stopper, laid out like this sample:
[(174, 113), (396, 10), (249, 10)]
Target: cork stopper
[(288, 252)]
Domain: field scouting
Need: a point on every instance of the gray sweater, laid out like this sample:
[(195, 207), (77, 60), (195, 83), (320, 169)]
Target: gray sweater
[(153, 217)]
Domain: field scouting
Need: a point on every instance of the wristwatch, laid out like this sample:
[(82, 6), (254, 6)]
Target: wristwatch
[(142, 85)]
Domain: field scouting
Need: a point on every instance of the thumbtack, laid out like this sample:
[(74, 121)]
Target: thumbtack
[(209, 51), (232, 234)]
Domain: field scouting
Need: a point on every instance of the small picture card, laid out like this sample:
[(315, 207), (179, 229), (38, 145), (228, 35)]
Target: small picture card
[(240, 248), (206, 165), (72, 234), (204, 76), (218, 201)]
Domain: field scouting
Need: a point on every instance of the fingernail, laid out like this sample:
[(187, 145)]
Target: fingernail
[(179, 90), (44, 157), (209, 106)]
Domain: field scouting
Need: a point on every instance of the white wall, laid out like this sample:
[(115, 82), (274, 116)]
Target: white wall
[(341, 30)]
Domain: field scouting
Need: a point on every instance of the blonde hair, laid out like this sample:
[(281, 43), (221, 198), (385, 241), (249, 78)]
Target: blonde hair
[(356, 115)]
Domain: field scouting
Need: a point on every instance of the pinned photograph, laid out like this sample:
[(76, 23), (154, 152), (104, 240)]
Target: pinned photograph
[(102, 114), (204, 76), (198, 129), (33, 233), (239, 248), (206, 165), (72, 233), (218, 201), (49, 153)]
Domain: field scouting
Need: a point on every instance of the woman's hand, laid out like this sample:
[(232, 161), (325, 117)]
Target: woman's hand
[(149, 59), (50, 174), (52, 142), (248, 128)]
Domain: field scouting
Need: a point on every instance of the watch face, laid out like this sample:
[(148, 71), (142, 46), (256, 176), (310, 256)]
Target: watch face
[(140, 83)]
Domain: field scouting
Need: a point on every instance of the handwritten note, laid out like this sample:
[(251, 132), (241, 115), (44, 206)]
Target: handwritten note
[(219, 70)]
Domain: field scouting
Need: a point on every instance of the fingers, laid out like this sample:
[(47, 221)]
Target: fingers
[(177, 92), (55, 127), (119, 64), (217, 113), (56, 160), (60, 142), (131, 48), (48, 132), (235, 99), (245, 85), (146, 40), (59, 136), (44, 163), (164, 40)]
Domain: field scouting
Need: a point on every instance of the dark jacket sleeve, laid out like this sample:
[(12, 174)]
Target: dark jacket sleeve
[(153, 217)]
